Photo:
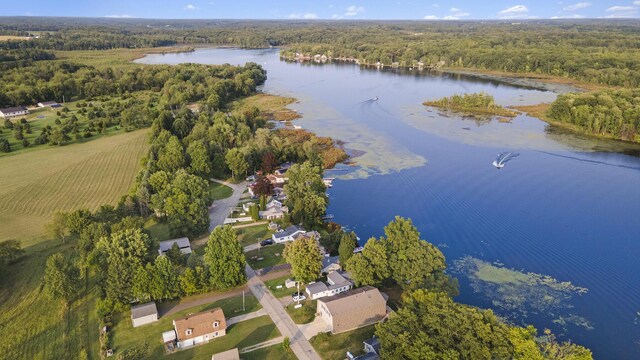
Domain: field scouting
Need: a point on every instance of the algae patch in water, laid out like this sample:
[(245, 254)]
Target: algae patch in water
[(516, 294)]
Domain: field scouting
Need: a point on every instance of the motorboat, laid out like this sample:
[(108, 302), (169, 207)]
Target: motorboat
[(502, 159)]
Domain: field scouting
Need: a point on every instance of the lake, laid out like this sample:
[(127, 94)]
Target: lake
[(552, 239)]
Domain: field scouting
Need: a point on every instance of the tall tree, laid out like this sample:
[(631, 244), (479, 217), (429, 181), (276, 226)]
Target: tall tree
[(305, 259), (186, 200), (262, 186), (165, 284), (269, 163), (348, 243), (58, 227), (225, 258), (371, 266), (200, 163), (61, 278), (306, 194), (237, 162), (171, 157)]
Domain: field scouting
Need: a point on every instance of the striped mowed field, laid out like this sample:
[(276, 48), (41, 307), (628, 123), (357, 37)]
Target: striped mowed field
[(35, 184)]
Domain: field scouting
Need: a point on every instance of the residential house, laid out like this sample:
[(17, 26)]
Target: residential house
[(250, 189), (183, 244), (278, 193), (232, 354), (51, 104), (288, 234), (277, 179), (371, 350), (274, 210), (282, 169), (13, 112), (336, 284), (330, 263), (273, 226), (353, 309), (199, 328), (247, 206), (144, 314)]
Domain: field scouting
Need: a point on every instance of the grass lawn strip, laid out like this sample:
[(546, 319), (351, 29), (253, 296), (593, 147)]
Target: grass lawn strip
[(271, 256), (305, 314), (331, 346), (253, 234)]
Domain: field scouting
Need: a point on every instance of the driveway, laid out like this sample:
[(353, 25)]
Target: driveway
[(221, 209), (299, 344), (314, 328)]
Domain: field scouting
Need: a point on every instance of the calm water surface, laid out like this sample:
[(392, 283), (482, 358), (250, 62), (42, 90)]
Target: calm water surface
[(567, 207)]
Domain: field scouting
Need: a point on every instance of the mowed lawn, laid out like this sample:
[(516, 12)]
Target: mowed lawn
[(331, 346), (35, 184)]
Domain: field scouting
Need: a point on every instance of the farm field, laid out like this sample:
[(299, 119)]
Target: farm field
[(35, 184)]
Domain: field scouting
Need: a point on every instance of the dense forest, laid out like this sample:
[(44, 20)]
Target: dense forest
[(611, 113), (473, 104)]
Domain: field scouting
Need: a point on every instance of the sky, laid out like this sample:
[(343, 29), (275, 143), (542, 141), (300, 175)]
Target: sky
[(326, 9)]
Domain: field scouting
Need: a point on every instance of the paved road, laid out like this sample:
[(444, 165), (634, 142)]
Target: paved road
[(299, 344), (221, 209)]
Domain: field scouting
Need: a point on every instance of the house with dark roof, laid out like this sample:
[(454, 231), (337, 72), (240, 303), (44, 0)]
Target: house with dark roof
[(199, 328), (144, 314), (183, 244), (336, 284), (371, 349), (352, 309), (13, 112)]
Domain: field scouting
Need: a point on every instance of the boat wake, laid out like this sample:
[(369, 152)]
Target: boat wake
[(503, 158)]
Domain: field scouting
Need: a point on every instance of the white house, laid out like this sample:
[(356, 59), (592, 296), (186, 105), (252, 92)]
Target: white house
[(274, 210), (51, 104), (183, 244), (13, 112), (288, 234), (144, 314), (199, 328), (336, 284)]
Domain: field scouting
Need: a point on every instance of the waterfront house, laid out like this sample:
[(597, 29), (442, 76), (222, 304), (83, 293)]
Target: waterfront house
[(13, 112), (183, 244), (336, 284), (144, 314), (352, 309), (199, 328), (288, 234), (274, 210)]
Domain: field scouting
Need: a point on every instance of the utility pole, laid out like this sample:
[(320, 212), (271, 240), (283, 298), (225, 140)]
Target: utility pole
[(242, 300), (298, 298)]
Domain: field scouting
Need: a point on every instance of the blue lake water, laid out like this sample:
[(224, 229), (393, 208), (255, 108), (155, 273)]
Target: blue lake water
[(567, 207)]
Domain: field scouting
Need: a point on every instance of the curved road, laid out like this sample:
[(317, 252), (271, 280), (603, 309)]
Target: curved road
[(221, 209)]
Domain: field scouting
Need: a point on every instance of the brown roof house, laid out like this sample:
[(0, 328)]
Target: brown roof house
[(199, 328), (353, 309)]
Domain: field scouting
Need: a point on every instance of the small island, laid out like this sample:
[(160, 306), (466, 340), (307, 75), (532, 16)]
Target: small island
[(475, 104)]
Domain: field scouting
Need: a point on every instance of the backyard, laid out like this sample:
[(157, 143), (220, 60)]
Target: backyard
[(335, 346), (252, 234), (265, 257)]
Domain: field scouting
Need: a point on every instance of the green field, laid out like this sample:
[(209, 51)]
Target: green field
[(35, 184), (219, 191), (34, 327), (241, 335), (252, 234), (305, 314), (283, 291), (271, 255), (335, 347)]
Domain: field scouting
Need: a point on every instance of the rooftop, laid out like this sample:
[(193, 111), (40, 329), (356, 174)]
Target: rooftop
[(354, 301), (13, 109), (317, 288), (167, 244), (143, 310), (289, 231), (200, 324)]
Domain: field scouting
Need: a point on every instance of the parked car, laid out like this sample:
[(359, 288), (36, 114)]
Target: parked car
[(251, 178), (266, 242), (298, 296)]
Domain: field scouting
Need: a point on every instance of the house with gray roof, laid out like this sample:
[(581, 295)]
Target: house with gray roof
[(183, 244), (352, 309), (13, 111), (144, 314), (288, 234), (335, 285)]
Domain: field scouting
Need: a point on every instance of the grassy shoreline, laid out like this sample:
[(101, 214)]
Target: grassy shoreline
[(472, 104)]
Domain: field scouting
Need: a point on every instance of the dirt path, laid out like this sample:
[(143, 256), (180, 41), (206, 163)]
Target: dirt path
[(172, 308)]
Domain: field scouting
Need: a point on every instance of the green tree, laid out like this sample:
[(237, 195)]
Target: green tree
[(185, 203), (431, 326), (254, 212), (189, 282), (175, 255), (225, 258), (10, 251), (58, 227), (199, 155), (78, 220), (61, 278), (237, 162), (171, 157), (348, 243), (142, 282), (5, 146), (165, 284), (371, 266), (305, 259), (306, 194), (553, 350)]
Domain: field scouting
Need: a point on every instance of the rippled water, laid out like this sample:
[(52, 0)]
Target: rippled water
[(563, 208)]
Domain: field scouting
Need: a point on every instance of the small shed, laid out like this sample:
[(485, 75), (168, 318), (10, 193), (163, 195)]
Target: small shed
[(144, 314), (232, 354), (169, 336), (289, 283), (183, 244)]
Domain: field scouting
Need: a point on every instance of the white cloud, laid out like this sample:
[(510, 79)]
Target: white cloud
[(454, 9), (354, 10), (431, 17), (436, 5), (577, 6), (191, 7), (119, 16), (306, 16), (636, 3), (622, 11), (572, 16), (518, 9)]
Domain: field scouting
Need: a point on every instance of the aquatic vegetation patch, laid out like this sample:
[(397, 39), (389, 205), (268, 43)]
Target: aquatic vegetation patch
[(516, 294)]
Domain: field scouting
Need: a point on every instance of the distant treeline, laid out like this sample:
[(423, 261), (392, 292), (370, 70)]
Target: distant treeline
[(612, 113), (595, 51)]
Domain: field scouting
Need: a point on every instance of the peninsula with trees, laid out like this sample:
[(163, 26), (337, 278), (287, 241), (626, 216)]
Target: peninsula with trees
[(475, 104)]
